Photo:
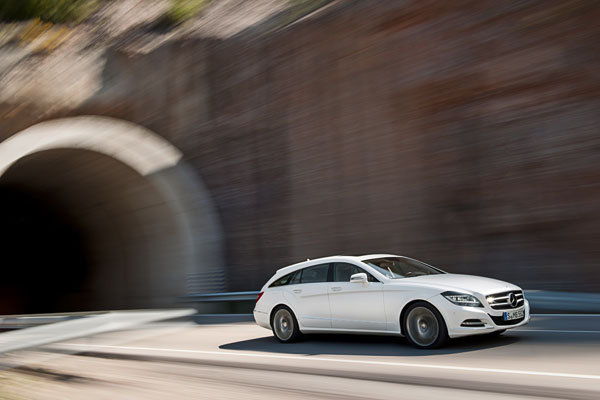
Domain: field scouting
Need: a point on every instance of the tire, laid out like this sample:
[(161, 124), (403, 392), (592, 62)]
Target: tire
[(285, 325), (424, 326)]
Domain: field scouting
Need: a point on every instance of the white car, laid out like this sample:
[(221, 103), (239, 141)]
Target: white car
[(386, 294)]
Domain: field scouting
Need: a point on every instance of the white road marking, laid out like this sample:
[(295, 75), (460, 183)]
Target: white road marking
[(347, 361)]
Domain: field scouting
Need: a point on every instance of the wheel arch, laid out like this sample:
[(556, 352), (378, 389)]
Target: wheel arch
[(407, 306), (279, 305)]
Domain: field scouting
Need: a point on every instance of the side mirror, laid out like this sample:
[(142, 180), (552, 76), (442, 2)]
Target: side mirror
[(361, 277)]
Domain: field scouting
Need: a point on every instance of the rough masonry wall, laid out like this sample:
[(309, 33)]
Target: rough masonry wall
[(465, 134), (462, 133)]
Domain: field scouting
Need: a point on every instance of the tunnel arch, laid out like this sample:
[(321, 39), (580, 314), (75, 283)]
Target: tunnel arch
[(148, 229)]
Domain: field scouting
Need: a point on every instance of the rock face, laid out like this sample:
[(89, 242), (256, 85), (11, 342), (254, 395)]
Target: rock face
[(465, 134)]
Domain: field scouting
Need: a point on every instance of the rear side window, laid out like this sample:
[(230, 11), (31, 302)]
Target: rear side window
[(285, 280), (317, 273), (343, 271)]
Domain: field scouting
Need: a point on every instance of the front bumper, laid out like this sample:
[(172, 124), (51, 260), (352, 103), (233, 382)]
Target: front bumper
[(455, 315)]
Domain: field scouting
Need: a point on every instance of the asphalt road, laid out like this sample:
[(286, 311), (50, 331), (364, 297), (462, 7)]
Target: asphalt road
[(555, 356)]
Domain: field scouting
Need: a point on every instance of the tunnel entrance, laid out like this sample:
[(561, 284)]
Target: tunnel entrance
[(98, 213), (43, 258), (81, 231), (101, 214)]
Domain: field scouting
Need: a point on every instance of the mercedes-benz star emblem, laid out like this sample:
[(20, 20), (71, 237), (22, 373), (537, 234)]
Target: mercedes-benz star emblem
[(512, 299)]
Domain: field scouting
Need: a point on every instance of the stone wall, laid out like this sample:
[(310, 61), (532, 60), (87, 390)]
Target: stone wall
[(462, 133)]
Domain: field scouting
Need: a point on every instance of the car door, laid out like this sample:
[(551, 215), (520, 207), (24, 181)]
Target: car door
[(357, 306), (308, 296)]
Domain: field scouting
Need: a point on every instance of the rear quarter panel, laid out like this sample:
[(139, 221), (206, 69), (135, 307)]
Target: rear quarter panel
[(271, 298)]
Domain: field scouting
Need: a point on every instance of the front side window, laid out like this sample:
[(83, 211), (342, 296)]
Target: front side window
[(343, 271), (317, 273), (401, 267)]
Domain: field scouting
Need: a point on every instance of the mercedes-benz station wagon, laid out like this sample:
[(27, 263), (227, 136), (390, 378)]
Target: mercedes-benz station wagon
[(386, 294)]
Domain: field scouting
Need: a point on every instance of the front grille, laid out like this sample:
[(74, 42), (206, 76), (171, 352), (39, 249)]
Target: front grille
[(500, 320), (500, 301)]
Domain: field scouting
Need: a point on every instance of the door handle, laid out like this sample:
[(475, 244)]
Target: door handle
[(336, 289), (297, 290)]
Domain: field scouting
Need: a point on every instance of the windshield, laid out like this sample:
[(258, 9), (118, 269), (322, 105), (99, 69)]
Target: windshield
[(401, 267)]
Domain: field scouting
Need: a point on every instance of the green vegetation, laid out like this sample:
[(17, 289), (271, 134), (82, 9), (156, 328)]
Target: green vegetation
[(55, 11), (182, 10)]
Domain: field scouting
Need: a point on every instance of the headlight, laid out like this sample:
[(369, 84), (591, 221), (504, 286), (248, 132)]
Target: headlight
[(462, 299)]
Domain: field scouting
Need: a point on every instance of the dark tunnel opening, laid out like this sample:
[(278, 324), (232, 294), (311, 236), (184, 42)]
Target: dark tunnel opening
[(44, 264), (82, 231)]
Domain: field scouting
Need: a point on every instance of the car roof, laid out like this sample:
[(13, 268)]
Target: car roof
[(372, 256), (316, 261), (339, 258)]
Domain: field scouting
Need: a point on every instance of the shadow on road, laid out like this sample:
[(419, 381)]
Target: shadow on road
[(366, 345)]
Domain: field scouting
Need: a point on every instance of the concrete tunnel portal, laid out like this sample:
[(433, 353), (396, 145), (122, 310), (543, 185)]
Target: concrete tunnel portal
[(98, 214)]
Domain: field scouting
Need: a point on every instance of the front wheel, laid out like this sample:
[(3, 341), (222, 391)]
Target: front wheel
[(424, 326), (285, 325)]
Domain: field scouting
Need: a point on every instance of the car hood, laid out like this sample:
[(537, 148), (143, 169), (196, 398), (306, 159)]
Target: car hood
[(459, 282)]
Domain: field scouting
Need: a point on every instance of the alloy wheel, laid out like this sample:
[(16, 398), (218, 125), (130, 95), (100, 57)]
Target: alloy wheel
[(422, 326), (283, 324)]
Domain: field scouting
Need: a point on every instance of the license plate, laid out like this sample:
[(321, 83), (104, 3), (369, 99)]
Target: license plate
[(510, 315)]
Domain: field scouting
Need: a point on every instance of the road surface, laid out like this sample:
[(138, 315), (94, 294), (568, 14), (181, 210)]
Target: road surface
[(555, 356)]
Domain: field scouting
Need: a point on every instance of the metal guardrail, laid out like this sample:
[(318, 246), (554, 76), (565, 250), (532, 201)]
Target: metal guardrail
[(567, 302), (215, 297), (26, 322), (540, 300), (8, 322)]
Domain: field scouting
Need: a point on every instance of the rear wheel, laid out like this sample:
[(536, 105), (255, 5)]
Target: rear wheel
[(424, 326), (285, 325)]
